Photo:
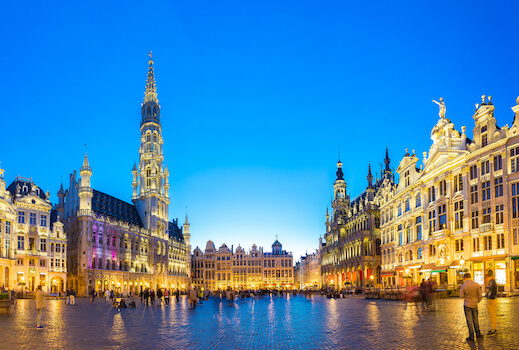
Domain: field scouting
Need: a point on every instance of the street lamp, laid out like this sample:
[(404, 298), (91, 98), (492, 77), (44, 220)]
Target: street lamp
[(407, 275)]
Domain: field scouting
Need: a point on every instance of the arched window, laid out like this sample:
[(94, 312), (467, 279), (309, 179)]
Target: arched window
[(400, 257)]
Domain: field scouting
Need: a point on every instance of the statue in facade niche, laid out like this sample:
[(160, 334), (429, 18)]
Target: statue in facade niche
[(442, 107)]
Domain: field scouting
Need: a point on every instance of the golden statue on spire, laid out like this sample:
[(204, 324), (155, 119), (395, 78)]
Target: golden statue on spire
[(149, 54)]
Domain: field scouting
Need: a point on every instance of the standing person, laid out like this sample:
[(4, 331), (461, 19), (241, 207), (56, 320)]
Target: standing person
[(41, 303), (491, 302), (200, 295), (166, 296), (177, 294), (92, 295), (107, 295), (471, 293), (192, 298), (159, 296), (141, 295)]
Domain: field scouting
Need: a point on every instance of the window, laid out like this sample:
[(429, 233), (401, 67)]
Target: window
[(432, 250), (475, 244), (458, 215), (473, 172), (419, 228), (21, 217), (406, 178), (515, 200), (459, 245), (418, 200), (498, 163), (407, 205), (8, 227), (419, 253), (32, 218), (500, 241), (485, 167), (21, 244), (473, 194), (458, 183), (432, 221), (43, 220), (486, 215), (499, 214), (485, 190), (487, 240), (42, 263), (43, 244), (100, 238), (399, 209), (516, 236), (442, 216), (443, 188), (498, 187), (514, 160), (484, 141), (409, 235), (400, 235), (475, 223), (58, 248), (432, 194)]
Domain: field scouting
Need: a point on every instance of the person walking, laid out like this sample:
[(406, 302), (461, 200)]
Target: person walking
[(41, 304), (423, 294), (166, 296), (147, 296), (471, 293), (92, 295), (141, 295), (491, 302), (72, 296), (177, 295)]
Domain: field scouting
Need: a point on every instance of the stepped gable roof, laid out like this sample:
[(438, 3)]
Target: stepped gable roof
[(175, 232), (105, 204), (25, 188)]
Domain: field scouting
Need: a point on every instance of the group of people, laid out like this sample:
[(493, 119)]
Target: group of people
[(196, 296), (148, 296), (71, 296), (472, 295)]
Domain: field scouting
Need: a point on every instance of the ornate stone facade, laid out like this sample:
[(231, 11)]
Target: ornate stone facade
[(33, 245), (219, 269), (350, 253), (459, 211)]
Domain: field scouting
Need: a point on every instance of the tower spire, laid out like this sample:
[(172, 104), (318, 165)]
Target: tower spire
[(370, 177), (151, 90)]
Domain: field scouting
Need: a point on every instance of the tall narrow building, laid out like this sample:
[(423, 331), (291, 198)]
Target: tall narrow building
[(121, 246)]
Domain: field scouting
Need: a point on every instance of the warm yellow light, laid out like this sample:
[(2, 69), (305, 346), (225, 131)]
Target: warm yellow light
[(462, 262)]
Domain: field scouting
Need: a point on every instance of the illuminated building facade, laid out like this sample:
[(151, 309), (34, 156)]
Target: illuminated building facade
[(459, 211), (121, 246), (307, 272), (219, 269), (350, 253), (33, 245)]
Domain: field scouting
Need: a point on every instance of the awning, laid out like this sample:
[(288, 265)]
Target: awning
[(515, 257), (489, 257), (400, 268), (416, 266), (427, 267), (387, 274), (455, 265), (440, 268)]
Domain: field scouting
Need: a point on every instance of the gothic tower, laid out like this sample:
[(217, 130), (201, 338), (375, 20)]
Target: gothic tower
[(341, 200), (151, 198)]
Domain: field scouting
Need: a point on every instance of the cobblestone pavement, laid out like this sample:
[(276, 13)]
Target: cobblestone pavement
[(268, 323)]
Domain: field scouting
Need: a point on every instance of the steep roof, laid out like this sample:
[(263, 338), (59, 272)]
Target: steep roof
[(105, 204), (25, 188)]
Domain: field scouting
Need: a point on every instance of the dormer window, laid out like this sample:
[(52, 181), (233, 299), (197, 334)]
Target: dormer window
[(484, 141), (406, 178)]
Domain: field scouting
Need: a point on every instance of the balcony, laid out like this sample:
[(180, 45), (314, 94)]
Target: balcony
[(486, 227)]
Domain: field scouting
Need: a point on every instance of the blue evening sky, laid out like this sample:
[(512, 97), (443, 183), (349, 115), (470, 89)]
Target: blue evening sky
[(256, 98)]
